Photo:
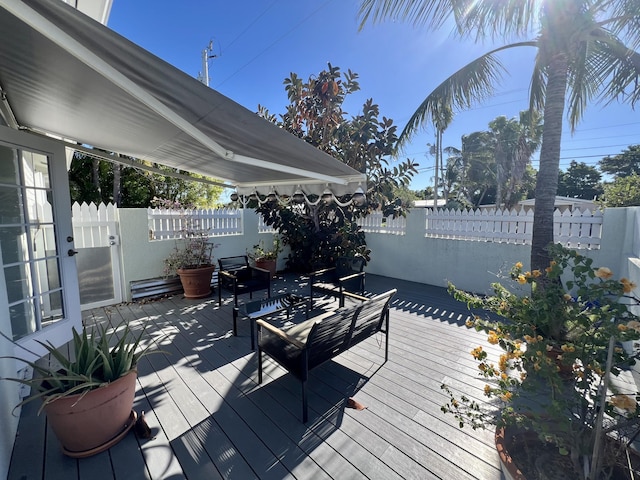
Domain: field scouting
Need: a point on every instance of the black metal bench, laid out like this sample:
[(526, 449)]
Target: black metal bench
[(237, 276), (319, 339)]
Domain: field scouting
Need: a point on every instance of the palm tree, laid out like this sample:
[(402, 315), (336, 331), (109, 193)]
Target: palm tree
[(586, 50)]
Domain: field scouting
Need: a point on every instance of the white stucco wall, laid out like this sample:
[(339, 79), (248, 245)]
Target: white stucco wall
[(473, 265), (143, 259)]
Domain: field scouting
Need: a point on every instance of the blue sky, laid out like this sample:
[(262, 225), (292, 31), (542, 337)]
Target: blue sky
[(258, 43)]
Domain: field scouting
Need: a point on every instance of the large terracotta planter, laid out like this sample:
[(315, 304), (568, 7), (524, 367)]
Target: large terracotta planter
[(90, 423), (196, 282)]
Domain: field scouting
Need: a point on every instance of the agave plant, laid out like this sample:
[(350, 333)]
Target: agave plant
[(95, 363)]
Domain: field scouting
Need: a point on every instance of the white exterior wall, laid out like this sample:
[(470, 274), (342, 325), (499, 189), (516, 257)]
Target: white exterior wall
[(143, 259), (474, 265)]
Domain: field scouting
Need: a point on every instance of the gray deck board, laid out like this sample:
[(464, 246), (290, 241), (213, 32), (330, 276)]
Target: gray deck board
[(210, 419)]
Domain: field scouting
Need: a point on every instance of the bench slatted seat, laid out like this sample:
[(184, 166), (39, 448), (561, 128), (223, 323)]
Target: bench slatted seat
[(311, 343)]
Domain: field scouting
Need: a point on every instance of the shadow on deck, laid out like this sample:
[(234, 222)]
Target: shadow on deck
[(210, 419)]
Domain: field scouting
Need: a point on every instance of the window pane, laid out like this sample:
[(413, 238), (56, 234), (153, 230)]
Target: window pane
[(23, 319), (13, 241), (43, 240), (36, 169), (47, 274), (51, 307), (18, 282), (11, 205), (8, 166)]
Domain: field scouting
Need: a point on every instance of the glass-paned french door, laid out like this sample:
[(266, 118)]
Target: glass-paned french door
[(36, 239)]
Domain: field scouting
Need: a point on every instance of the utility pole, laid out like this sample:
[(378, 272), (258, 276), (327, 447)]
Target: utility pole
[(207, 53)]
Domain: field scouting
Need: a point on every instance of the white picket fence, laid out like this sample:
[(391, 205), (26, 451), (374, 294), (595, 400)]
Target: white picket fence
[(574, 229), (94, 225), (376, 222), (166, 224)]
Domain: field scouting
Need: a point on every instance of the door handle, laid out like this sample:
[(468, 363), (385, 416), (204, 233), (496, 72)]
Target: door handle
[(71, 252)]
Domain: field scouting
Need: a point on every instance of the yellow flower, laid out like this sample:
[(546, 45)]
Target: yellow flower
[(536, 273), (504, 376), (567, 297), (487, 389), (502, 364), (622, 327), (522, 279), (604, 273), (530, 339), (634, 324), (568, 348), (454, 403), (505, 397), (518, 265), (493, 338), (476, 352), (627, 285), (469, 323), (624, 402), (523, 376)]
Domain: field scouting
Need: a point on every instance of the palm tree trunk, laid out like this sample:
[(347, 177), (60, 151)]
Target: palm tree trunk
[(547, 179)]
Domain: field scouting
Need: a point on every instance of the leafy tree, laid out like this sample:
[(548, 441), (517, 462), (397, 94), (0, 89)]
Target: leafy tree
[(624, 164), (580, 181), (92, 180), (581, 56), (319, 232), (623, 191)]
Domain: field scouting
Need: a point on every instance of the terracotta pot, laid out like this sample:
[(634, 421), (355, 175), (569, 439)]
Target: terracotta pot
[(267, 264), (196, 282), (90, 423), (509, 469)]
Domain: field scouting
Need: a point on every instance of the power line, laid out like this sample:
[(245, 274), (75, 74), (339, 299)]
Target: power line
[(271, 45)]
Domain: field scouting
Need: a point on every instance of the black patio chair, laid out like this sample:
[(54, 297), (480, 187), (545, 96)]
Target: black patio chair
[(346, 276), (237, 276)]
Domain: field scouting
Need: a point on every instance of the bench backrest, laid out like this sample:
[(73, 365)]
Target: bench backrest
[(347, 327), (230, 264)]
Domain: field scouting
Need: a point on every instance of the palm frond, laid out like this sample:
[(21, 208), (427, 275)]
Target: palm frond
[(474, 82), (430, 13), (617, 68), (624, 21)]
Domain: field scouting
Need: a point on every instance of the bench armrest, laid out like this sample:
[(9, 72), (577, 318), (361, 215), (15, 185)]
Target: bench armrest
[(352, 276), (321, 272), (280, 333), (229, 274), (259, 270), (355, 296)]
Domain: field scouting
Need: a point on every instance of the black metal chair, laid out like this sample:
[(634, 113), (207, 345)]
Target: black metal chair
[(346, 276), (237, 276)]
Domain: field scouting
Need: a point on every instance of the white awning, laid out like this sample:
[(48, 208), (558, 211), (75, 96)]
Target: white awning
[(67, 75)]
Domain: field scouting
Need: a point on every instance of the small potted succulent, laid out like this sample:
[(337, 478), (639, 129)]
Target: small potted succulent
[(88, 400)]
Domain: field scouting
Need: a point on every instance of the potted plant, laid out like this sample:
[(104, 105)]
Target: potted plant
[(560, 342), (88, 400), (266, 258), (192, 255)]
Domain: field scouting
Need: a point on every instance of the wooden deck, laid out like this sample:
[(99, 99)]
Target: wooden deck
[(211, 419)]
